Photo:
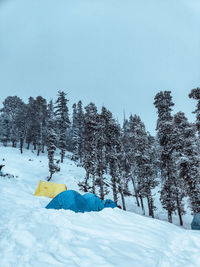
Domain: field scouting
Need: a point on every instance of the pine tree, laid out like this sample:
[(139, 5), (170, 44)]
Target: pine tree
[(150, 167), (11, 107), (139, 161), (31, 132), (126, 158), (187, 161), (41, 116), (136, 131), (195, 94), (62, 118), (101, 160), (51, 141), (21, 125), (113, 148), (81, 131), (5, 128), (113, 153), (90, 147), (163, 103), (75, 132), (116, 167), (78, 131), (128, 147)]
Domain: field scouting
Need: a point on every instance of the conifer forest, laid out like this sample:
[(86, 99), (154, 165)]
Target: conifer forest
[(123, 159)]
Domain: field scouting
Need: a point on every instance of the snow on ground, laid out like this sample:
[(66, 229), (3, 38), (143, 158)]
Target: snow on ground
[(31, 235)]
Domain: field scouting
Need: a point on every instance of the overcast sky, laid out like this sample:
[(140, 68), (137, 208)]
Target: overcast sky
[(119, 53)]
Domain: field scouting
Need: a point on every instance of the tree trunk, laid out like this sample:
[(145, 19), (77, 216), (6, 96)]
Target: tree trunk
[(180, 217), (101, 189), (50, 176), (5, 143), (14, 143), (28, 145), (142, 205), (86, 182), (150, 206), (21, 145), (93, 184), (38, 151), (169, 216), (81, 159), (34, 146), (51, 161), (179, 211), (87, 177), (62, 155), (123, 200), (114, 188), (42, 148), (135, 190)]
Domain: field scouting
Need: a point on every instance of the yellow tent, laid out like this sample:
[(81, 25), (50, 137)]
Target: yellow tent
[(48, 189)]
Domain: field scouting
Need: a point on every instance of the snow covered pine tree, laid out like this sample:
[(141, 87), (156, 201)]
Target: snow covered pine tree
[(62, 121), (163, 103), (187, 160), (90, 147), (51, 141)]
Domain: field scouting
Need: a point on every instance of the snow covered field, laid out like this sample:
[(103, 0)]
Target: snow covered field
[(31, 235)]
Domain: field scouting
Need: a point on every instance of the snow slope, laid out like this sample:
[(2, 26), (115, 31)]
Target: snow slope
[(31, 235)]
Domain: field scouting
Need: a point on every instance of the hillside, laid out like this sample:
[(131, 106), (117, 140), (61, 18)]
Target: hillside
[(30, 235)]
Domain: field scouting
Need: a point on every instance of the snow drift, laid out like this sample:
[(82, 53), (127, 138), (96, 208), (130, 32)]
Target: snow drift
[(31, 235)]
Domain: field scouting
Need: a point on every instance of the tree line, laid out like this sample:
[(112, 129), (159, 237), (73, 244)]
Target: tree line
[(125, 159)]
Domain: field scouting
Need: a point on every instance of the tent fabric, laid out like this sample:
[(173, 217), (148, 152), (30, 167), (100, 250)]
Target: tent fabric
[(195, 225), (69, 200), (108, 203), (94, 202), (49, 189)]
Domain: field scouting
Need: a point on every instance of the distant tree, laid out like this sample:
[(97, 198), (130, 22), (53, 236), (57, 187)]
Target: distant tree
[(90, 147), (128, 147), (5, 128), (188, 162), (63, 123), (111, 140), (163, 103), (32, 123), (21, 125), (136, 145), (112, 145), (41, 116), (126, 159), (51, 141), (81, 131), (150, 170), (139, 161), (118, 180), (78, 131), (101, 142), (11, 107), (195, 94), (142, 162), (75, 132)]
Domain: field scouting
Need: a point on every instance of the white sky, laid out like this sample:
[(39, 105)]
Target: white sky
[(119, 53)]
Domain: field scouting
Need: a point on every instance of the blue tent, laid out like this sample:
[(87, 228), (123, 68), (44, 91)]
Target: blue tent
[(69, 200), (108, 203), (195, 225), (94, 202)]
